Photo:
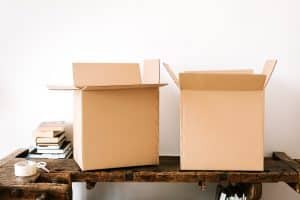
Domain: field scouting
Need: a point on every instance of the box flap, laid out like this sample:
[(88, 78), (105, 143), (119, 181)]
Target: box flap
[(63, 87), (151, 73), (117, 87), (268, 70), (172, 74), (233, 71), (221, 81), (86, 74)]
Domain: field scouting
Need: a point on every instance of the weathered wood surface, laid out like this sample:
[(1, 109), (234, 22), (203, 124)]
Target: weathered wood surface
[(279, 168), (7, 176), (294, 164), (168, 171), (276, 170), (56, 185), (288, 160), (18, 152)]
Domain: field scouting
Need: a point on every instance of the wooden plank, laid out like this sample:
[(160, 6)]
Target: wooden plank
[(288, 160), (12, 155), (167, 171), (56, 167), (294, 164), (56, 185), (35, 190), (58, 178), (63, 171)]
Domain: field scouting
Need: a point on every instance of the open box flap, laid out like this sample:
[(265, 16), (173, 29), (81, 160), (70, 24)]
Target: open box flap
[(190, 79), (104, 87), (151, 72), (129, 86), (233, 71), (63, 87), (269, 67), (249, 81), (172, 74), (220, 81), (86, 74)]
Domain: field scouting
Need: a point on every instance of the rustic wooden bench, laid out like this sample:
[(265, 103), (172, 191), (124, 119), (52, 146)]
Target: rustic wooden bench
[(58, 183)]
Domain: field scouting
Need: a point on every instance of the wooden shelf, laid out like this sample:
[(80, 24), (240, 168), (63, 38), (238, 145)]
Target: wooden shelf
[(57, 183)]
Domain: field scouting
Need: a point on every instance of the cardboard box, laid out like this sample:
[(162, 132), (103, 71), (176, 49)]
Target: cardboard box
[(222, 118), (116, 114)]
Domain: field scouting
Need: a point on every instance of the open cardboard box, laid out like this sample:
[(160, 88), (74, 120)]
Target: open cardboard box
[(222, 118), (116, 114)]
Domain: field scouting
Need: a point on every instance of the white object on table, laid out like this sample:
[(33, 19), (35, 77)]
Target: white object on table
[(42, 165), (29, 168)]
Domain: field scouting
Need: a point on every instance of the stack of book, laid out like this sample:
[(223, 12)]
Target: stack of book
[(51, 142)]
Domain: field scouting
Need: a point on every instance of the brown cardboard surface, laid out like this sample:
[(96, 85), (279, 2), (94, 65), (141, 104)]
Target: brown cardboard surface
[(106, 74), (151, 73), (117, 87), (222, 130), (220, 81), (77, 127), (119, 128), (231, 71), (105, 87), (116, 117), (222, 118)]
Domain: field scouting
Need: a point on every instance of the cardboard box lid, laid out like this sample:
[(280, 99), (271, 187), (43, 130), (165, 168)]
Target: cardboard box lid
[(104, 87), (95, 74), (107, 76), (223, 80)]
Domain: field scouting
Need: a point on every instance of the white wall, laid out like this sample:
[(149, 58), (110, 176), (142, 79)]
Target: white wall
[(39, 39)]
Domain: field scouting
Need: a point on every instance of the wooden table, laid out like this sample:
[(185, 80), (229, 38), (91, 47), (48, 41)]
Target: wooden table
[(58, 183)]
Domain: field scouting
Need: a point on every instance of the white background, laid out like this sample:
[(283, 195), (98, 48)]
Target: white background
[(39, 40)]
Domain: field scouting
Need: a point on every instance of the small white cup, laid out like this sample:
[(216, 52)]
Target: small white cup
[(25, 168)]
